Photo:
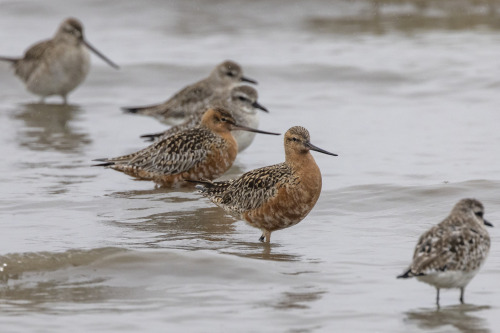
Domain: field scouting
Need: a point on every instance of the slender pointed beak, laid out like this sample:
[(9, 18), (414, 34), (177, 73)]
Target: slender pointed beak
[(102, 56), (259, 106), (487, 223), (245, 79), (313, 147), (237, 127)]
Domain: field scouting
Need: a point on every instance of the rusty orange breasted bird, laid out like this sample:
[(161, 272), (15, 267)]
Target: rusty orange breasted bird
[(277, 196), (203, 152)]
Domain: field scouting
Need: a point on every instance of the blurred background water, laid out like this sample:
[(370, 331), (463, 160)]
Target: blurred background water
[(406, 92)]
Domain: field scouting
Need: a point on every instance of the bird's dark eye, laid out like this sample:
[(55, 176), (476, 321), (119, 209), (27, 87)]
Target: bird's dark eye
[(479, 214), (295, 139), (230, 74), (243, 99), (223, 119), (73, 31)]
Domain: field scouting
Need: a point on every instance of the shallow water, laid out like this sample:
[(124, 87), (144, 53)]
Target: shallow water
[(412, 111)]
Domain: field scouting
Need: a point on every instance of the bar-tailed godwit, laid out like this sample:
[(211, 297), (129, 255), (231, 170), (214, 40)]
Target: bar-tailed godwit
[(203, 152), (241, 101), (277, 196)]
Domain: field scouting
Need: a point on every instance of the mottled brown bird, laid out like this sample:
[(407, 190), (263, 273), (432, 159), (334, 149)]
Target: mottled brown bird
[(450, 254), (58, 65), (241, 101), (277, 196), (194, 97), (203, 152)]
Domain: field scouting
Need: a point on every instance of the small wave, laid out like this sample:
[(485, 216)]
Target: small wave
[(15, 264)]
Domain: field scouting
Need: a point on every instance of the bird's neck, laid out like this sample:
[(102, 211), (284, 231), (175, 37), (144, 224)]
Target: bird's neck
[(303, 163)]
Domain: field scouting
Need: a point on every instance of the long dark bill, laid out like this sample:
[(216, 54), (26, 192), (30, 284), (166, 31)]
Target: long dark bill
[(249, 129), (102, 56), (259, 106), (487, 223), (245, 79), (313, 147)]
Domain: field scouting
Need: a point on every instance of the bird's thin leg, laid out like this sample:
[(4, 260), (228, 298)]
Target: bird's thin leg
[(268, 236), (42, 100), (462, 295), (65, 99), (437, 298)]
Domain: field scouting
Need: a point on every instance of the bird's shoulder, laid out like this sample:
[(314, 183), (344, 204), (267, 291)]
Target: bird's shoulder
[(194, 93), (447, 246), (253, 188), (38, 50)]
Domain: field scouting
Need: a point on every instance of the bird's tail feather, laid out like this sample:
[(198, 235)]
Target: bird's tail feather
[(151, 137), (9, 59), (409, 274), (140, 109), (105, 162), (405, 275)]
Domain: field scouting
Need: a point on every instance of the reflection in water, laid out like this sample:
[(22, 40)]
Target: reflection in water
[(184, 223), (15, 264), (208, 224), (35, 296), (298, 300), (258, 250), (192, 225), (47, 127), (27, 284), (459, 316)]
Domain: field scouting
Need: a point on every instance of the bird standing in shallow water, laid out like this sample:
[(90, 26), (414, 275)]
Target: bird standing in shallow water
[(277, 196), (58, 65), (450, 254), (241, 101), (194, 97), (203, 152)]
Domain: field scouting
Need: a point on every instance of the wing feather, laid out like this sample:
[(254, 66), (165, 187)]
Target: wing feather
[(448, 247), (250, 190), (31, 60), (175, 154)]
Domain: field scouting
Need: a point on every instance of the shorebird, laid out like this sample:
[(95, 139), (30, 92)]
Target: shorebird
[(194, 97), (57, 66), (273, 197), (450, 254), (203, 152), (241, 101)]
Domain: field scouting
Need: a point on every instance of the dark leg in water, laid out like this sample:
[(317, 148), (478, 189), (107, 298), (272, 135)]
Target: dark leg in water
[(437, 298)]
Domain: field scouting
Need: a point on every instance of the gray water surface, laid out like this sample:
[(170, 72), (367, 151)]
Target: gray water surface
[(407, 99)]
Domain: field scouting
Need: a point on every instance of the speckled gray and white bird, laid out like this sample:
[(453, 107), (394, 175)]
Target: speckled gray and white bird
[(196, 96), (58, 65), (241, 101), (277, 196), (202, 152), (451, 253)]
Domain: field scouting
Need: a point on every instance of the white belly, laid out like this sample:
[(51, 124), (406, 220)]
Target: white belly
[(61, 72), (448, 279), (245, 138)]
